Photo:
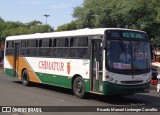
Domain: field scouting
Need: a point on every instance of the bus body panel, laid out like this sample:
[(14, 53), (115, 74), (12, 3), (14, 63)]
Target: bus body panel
[(128, 79), (51, 71), (8, 65), (60, 71), (116, 89), (126, 84)]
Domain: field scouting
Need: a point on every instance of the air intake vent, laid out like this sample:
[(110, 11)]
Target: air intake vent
[(131, 82)]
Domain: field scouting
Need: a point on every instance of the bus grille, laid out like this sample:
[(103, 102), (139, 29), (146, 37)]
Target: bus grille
[(131, 82)]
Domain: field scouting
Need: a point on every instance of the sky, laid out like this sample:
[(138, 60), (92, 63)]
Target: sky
[(25, 11)]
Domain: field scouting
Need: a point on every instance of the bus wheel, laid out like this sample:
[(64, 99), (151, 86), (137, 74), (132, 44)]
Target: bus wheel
[(79, 87), (25, 78)]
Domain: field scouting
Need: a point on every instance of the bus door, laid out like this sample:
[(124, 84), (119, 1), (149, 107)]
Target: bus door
[(16, 59), (96, 66)]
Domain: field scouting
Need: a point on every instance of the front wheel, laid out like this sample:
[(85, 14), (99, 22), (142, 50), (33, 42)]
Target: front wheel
[(79, 87), (25, 78)]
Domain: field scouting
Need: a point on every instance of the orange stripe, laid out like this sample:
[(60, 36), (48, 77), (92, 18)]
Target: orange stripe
[(20, 65), (10, 59), (23, 64)]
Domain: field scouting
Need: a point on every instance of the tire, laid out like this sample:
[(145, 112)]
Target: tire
[(79, 87), (25, 78)]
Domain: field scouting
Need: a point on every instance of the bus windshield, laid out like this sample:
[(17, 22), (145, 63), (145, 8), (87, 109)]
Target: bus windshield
[(128, 56)]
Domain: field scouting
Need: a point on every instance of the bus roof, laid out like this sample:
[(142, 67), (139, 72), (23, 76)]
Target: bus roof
[(79, 32)]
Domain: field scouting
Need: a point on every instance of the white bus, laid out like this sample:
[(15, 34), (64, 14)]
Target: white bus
[(84, 60)]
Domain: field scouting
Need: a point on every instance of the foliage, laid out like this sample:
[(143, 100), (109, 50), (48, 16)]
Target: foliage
[(135, 14), (68, 26), (10, 28), (138, 14)]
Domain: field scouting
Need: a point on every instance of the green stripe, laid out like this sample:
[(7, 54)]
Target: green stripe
[(9, 72), (115, 89), (57, 80), (51, 79)]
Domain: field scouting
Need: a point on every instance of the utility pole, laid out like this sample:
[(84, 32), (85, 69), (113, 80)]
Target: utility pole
[(46, 15)]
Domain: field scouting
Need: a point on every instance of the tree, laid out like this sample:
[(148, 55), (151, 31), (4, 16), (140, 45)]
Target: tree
[(33, 23), (68, 26), (40, 29), (2, 26), (11, 25), (10, 28), (137, 14)]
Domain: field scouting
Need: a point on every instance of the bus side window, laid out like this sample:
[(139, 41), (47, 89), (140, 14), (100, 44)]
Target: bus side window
[(9, 44), (79, 42), (78, 47), (54, 42), (71, 42), (53, 52), (23, 43), (31, 47), (46, 42), (82, 42), (9, 47), (62, 47), (72, 49), (23, 47), (44, 47), (62, 42)]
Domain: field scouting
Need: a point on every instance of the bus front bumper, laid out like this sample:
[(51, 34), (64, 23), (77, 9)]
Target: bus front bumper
[(115, 89)]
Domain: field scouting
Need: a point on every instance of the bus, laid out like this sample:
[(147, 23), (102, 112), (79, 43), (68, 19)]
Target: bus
[(84, 60)]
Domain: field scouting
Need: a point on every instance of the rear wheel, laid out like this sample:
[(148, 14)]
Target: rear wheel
[(79, 87), (25, 78)]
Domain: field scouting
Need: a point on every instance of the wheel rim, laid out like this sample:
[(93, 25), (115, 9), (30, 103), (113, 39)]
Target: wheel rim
[(25, 78), (79, 87)]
